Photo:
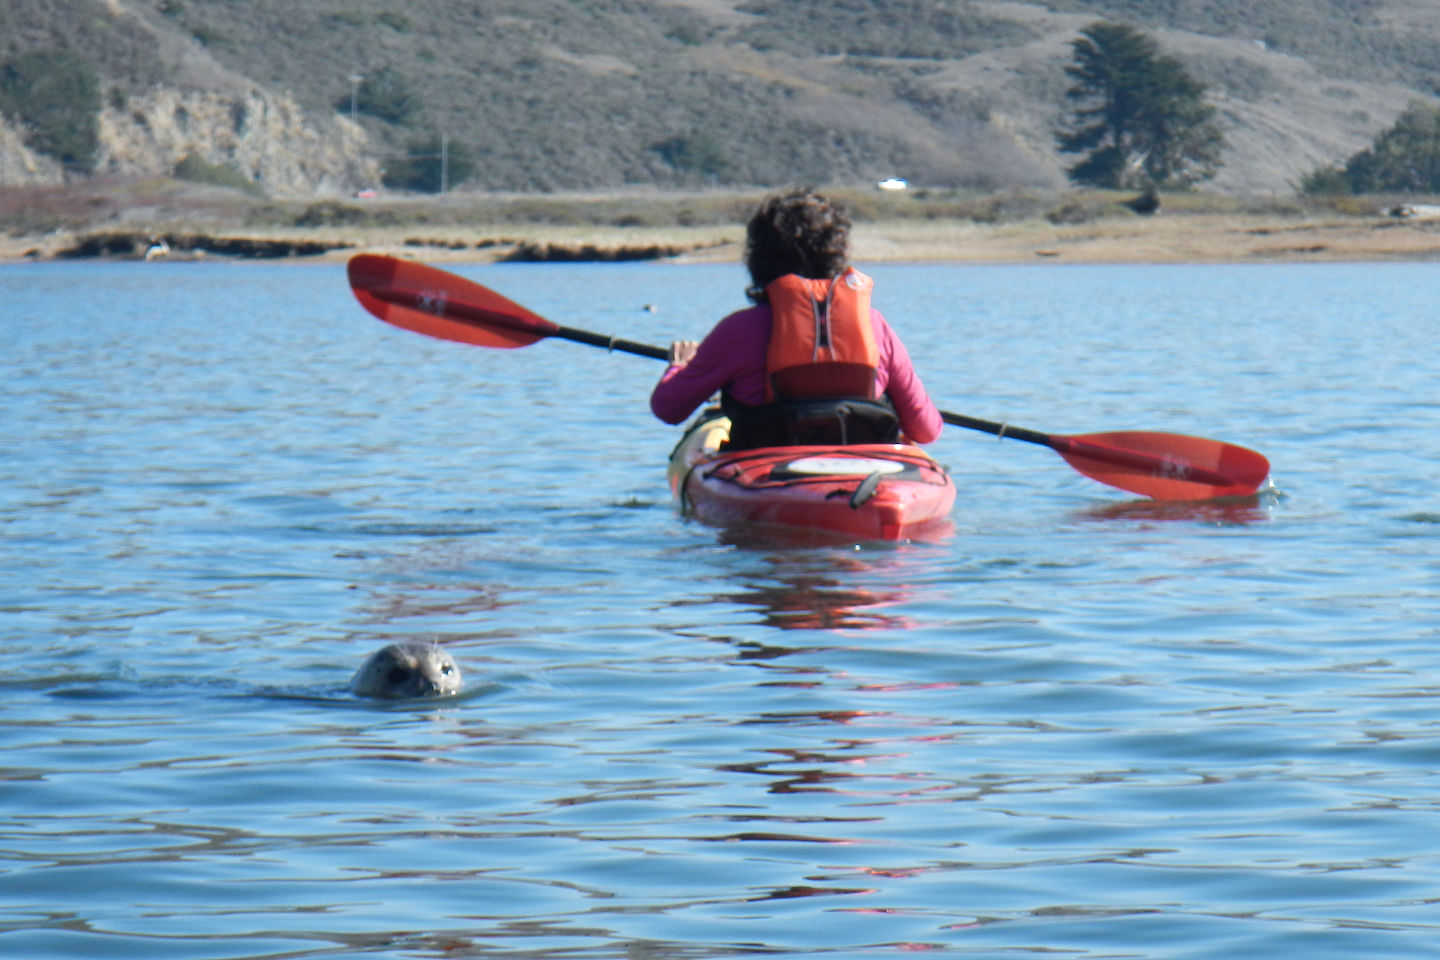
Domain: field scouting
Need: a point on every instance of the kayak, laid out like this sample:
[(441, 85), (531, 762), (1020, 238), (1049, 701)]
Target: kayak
[(873, 491)]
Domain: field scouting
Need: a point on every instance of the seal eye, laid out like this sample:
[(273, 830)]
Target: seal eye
[(447, 670)]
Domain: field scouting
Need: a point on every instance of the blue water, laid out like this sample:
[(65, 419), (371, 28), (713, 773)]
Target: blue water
[(1078, 726)]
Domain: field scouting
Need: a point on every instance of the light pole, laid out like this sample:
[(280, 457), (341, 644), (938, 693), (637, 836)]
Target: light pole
[(355, 79), (445, 162)]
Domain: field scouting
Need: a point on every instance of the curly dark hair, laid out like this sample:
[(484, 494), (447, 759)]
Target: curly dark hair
[(796, 232)]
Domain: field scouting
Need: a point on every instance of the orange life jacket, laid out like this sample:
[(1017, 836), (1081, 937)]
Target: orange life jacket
[(822, 343)]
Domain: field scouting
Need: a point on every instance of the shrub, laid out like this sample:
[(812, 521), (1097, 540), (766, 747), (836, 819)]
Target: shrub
[(1325, 181), (698, 153), (56, 93), (385, 94), (197, 169), (1403, 159), (431, 165), (329, 213), (687, 34), (395, 21)]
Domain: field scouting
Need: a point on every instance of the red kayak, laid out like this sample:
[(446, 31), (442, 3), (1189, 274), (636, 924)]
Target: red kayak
[(873, 491)]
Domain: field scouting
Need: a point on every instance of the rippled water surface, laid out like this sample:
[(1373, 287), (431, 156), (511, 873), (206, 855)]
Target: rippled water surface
[(1078, 726)]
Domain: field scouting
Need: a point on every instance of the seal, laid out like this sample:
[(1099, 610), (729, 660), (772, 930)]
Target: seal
[(407, 670)]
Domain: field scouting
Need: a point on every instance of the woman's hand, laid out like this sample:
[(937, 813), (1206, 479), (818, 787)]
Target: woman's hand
[(683, 351)]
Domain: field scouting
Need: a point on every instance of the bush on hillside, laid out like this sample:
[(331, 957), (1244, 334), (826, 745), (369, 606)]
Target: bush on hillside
[(197, 169), (395, 21), (697, 154), (1325, 181), (1403, 159), (387, 95), (56, 94), (431, 165)]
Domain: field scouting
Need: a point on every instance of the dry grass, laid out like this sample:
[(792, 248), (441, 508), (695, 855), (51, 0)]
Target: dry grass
[(915, 226)]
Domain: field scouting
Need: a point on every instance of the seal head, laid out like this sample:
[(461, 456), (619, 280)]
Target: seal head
[(407, 671)]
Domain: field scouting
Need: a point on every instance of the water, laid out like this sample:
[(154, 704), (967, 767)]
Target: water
[(1078, 726)]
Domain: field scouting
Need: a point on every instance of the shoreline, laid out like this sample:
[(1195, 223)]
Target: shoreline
[(1167, 237), (1154, 240)]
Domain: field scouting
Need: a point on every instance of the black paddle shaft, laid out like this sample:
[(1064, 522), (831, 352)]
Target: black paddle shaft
[(611, 343), (1001, 430)]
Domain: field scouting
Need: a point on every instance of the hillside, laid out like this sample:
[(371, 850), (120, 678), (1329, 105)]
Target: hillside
[(555, 95)]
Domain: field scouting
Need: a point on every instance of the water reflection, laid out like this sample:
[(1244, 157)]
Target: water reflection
[(753, 537), (1225, 512), (430, 600), (813, 601), (805, 890), (808, 779), (818, 591)]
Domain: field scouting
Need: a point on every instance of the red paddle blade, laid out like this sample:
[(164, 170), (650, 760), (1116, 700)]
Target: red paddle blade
[(439, 304), (1165, 466)]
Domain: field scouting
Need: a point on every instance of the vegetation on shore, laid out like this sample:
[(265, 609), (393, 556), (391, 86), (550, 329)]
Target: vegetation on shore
[(120, 220), (176, 204), (1403, 159)]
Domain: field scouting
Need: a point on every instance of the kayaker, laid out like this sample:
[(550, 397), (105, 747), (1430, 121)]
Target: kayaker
[(778, 385)]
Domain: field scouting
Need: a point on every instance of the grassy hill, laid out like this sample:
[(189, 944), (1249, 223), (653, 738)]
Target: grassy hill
[(576, 95)]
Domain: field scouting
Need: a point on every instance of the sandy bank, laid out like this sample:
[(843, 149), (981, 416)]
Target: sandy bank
[(1170, 237), (1158, 239)]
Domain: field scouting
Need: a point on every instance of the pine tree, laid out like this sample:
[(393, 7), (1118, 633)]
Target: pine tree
[(1139, 117)]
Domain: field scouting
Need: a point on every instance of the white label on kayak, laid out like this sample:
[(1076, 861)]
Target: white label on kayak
[(842, 466)]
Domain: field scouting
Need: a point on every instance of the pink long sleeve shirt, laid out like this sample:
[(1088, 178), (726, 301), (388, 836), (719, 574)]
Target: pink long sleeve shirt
[(732, 358)]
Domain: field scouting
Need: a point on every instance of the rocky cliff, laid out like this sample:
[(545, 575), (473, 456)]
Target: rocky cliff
[(168, 97), (270, 140), (19, 165)]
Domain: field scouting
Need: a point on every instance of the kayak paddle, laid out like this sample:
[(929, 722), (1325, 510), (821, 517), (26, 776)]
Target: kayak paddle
[(1162, 466), (439, 304)]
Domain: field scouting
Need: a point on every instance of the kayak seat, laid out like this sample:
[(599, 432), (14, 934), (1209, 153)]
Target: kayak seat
[(797, 423)]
